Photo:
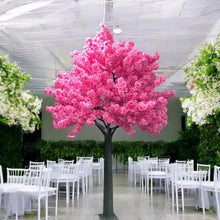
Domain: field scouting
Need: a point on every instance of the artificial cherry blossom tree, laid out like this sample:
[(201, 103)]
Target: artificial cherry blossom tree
[(110, 86)]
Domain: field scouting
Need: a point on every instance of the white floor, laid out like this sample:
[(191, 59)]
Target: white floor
[(130, 203)]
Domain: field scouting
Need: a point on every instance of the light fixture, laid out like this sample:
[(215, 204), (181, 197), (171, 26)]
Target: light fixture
[(117, 30)]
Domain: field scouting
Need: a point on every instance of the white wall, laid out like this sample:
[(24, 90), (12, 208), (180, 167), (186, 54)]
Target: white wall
[(168, 133)]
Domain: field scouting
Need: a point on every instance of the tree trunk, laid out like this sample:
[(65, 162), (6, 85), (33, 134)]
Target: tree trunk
[(108, 212)]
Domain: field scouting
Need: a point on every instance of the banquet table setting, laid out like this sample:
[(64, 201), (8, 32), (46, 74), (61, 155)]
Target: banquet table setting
[(41, 181), (181, 180)]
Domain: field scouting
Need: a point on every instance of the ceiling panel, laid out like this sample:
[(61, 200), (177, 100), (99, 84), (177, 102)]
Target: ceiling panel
[(40, 34)]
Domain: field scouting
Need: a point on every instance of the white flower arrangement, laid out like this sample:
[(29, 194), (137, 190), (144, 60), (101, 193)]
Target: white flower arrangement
[(17, 106), (203, 80)]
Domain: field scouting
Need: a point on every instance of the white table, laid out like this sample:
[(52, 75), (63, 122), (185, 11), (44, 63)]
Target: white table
[(13, 203)]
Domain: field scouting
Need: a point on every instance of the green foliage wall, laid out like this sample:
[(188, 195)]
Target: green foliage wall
[(209, 145), (10, 146), (202, 146), (185, 148)]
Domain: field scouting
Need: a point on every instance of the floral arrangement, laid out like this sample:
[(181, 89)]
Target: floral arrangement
[(110, 83), (203, 80), (17, 106)]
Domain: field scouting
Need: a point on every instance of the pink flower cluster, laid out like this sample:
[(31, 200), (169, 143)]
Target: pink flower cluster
[(110, 82)]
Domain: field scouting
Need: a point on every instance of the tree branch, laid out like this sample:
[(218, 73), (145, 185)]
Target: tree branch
[(113, 129), (98, 108), (114, 78), (100, 127), (103, 121)]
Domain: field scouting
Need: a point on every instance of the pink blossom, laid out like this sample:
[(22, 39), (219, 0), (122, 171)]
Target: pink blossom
[(110, 82)]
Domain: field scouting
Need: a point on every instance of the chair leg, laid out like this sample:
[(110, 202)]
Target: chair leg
[(46, 208), (147, 184), (135, 178), (99, 170), (67, 192), (91, 180), (217, 204), (203, 201), (151, 186), (172, 191), (38, 208), (182, 193), (78, 189), (73, 191), (142, 181), (177, 200), (86, 184), (56, 205), (83, 185)]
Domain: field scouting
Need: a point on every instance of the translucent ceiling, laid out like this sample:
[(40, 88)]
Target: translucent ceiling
[(40, 34)]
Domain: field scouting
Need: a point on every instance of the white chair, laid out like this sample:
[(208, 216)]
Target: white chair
[(212, 186), (53, 189), (1, 182), (144, 169), (139, 158), (180, 162), (203, 172), (170, 179), (37, 186), (153, 159), (61, 175), (1, 175), (98, 169), (190, 165), (87, 173), (130, 170), (74, 173), (36, 165), (84, 173), (183, 180), (157, 171), (16, 178), (50, 163), (67, 162), (60, 160), (17, 175), (137, 171), (83, 158)]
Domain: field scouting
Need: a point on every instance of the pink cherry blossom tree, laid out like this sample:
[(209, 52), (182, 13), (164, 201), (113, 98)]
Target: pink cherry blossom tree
[(110, 86)]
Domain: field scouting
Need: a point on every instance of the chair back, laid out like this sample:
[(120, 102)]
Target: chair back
[(39, 178), (180, 161), (1, 175), (217, 175), (164, 160), (204, 172), (67, 162), (36, 165), (60, 160), (74, 170), (153, 160), (17, 175), (161, 166), (51, 163), (84, 158), (101, 161), (144, 167), (180, 172), (139, 158), (190, 165)]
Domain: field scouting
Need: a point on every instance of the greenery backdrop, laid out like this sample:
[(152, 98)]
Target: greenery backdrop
[(190, 145)]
